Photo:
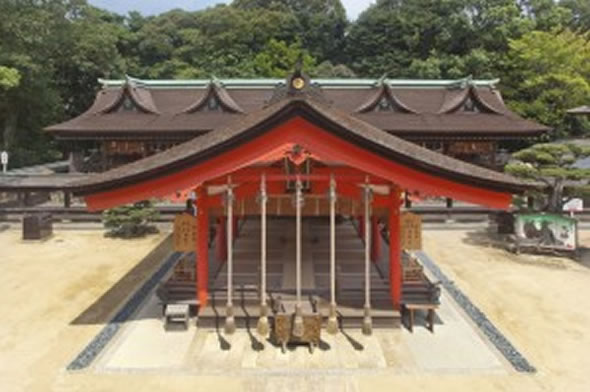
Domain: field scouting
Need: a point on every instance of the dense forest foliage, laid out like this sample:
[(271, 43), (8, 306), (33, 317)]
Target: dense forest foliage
[(53, 51)]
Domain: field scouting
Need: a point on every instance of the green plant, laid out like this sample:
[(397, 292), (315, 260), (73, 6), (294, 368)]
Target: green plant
[(131, 221), (555, 166)]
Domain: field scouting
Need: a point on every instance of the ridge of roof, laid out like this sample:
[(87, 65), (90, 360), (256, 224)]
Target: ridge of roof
[(323, 82)]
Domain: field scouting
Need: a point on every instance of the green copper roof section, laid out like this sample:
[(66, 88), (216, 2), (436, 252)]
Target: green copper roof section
[(327, 83)]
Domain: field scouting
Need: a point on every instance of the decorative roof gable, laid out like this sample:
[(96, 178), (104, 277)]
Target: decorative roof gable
[(384, 100), (469, 100), (132, 96), (298, 84), (215, 98)]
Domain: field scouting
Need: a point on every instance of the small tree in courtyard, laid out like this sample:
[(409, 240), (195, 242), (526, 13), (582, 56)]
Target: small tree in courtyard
[(553, 164), (131, 221)]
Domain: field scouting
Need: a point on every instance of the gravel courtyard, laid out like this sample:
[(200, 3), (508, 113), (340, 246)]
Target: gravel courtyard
[(56, 296)]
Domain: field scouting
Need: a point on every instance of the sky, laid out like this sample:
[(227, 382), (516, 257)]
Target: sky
[(151, 7)]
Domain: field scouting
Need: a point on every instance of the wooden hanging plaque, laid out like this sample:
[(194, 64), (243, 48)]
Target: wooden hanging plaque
[(185, 232), (411, 231)]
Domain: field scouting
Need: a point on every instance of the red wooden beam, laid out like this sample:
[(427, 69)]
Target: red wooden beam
[(273, 174), (324, 144)]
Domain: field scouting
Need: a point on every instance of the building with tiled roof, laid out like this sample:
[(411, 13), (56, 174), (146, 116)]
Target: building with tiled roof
[(133, 118)]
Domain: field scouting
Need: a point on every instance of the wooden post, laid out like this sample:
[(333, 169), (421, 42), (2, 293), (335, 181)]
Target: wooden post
[(375, 239), (263, 327), (395, 268), (367, 321), (332, 326), (202, 248), (230, 325), (221, 239)]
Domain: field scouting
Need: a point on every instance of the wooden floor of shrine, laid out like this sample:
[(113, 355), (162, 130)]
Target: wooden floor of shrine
[(281, 274)]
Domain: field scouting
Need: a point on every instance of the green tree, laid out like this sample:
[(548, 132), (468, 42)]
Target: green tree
[(58, 48), (321, 24), (328, 70), (580, 13), (391, 34), (131, 220), (553, 165), (9, 78), (220, 41), (278, 59), (546, 74)]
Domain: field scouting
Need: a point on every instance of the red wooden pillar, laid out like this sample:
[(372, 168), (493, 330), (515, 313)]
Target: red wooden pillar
[(221, 239), (202, 248), (395, 267), (375, 239)]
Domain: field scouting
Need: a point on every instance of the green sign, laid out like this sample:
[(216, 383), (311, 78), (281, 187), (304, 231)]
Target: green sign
[(547, 231)]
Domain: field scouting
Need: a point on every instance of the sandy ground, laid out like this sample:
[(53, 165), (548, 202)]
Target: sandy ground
[(48, 293)]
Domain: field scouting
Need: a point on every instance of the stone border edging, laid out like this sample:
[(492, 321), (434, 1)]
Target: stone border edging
[(502, 344), (99, 342)]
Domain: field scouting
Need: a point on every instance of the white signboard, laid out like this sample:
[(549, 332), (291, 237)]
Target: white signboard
[(574, 205)]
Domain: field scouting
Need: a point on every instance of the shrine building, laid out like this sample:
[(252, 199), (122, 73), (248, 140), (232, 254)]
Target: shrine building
[(297, 186), (131, 119)]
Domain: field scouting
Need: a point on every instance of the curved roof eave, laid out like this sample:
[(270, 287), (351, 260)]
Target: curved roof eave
[(248, 126)]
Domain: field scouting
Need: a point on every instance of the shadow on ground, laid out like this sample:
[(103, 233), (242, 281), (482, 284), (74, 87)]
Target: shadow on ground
[(103, 309)]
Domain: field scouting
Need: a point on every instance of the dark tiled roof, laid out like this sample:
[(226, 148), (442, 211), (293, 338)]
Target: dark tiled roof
[(331, 119), (43, 182), (172, 108)]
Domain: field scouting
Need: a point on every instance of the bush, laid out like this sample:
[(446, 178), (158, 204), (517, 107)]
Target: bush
[(131, 221)]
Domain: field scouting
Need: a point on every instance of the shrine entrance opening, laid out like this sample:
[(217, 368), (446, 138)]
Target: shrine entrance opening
[(309, 236)]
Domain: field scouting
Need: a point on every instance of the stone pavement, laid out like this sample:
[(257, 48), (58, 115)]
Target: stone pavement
[(456, 347)]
